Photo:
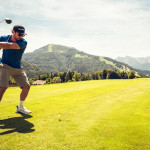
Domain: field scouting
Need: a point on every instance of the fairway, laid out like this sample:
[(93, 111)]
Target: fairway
[(87, 115)]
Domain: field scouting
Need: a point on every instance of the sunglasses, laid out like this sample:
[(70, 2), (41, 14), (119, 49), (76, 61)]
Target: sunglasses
[(21, 34)]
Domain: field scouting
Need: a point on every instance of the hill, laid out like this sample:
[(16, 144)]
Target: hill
[(31, 70), (142, 63), (58, 58)]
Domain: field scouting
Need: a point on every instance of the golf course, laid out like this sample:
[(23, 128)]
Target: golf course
[(88, 115)]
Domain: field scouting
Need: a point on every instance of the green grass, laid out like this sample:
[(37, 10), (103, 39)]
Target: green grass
[(95, 115)]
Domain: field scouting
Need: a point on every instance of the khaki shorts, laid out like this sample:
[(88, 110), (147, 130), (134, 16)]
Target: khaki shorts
[(19, 76)]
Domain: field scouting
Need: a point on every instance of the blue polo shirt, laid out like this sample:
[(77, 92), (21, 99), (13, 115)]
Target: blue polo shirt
[(12, 57)]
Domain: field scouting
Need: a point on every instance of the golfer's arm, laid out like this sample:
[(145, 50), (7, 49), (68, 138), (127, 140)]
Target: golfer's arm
[(6, 45)]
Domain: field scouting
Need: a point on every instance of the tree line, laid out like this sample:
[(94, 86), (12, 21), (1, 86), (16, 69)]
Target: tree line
[(71, 76)]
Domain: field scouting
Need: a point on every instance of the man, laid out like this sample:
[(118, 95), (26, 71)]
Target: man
[(13, 48)]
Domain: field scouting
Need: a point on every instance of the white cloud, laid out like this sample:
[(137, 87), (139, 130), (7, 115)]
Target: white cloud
[(101, 27)]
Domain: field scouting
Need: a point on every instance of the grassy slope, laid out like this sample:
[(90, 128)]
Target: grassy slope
[(95, 115)]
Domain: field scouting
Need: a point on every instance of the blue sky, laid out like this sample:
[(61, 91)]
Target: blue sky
[(109, 28)]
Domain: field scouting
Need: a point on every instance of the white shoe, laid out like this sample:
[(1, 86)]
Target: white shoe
[(22, 110)]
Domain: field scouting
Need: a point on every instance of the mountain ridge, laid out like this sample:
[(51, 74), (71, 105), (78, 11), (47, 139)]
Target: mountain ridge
[(59, 58), (142, 63)]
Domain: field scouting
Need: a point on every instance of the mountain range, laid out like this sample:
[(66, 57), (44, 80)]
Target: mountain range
[(142, 63), (57, 58)]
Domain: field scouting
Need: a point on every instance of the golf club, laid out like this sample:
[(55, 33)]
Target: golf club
[(7, 20)]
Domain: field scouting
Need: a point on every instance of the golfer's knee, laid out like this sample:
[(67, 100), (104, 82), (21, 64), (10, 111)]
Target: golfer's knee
[(26, 88), (2, 91)]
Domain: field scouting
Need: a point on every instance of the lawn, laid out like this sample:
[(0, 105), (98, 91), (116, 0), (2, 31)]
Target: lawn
[(88, 115)]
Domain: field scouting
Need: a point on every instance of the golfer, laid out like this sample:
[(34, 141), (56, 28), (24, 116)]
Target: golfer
[(13, 48)]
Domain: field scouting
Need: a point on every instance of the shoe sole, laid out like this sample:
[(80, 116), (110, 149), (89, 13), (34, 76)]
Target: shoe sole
[(20, 111)]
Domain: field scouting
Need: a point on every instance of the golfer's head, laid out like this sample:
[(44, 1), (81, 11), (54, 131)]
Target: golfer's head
[(19, 30)]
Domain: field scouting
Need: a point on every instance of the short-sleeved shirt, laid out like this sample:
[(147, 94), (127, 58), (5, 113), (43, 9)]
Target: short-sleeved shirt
[(12, 57)]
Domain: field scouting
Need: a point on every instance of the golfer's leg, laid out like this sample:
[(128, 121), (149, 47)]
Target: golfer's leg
[(24, 93), (21, 79), (4, 79), (2, 91)]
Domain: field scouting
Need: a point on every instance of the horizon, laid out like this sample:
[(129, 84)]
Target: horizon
[(81, 51)]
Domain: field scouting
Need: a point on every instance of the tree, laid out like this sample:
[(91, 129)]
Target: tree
[(100, 74), (83, 78), (56, 80), (49, 80), (69, 76), (104, 74), (56, 75), (62, 76), (51, 75), (43, 77), (123, 75), (31, 80), (96, 76), (88, 76), (131, 75), (77, 76), (111, 74)]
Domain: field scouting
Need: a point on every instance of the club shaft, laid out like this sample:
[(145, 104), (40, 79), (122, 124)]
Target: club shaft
[(2, 20)]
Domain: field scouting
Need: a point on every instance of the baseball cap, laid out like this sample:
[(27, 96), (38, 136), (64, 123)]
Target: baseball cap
[(19, 29)]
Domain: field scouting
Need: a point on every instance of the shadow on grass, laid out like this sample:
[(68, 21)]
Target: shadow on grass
[(17, 124)]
